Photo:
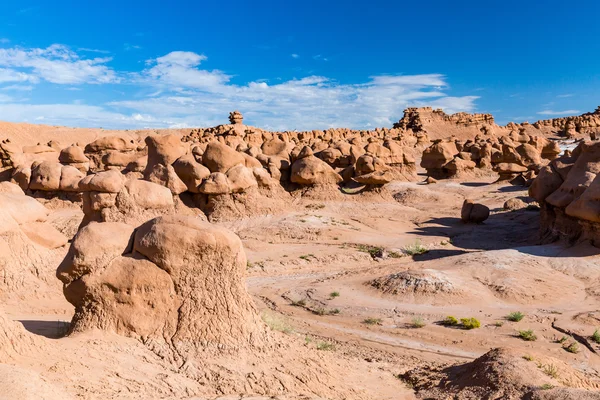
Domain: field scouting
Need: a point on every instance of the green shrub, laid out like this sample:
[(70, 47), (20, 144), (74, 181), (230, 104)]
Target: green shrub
[(325, 346), (528, 335), (562, 339), (515, 316), (276, 322), (546, 386), (528, 357), (417, 322), (596, 336), (372, 321), (450, 321), (550, 370), (334, 294), (470, 323), (415, 249), (572, 348)]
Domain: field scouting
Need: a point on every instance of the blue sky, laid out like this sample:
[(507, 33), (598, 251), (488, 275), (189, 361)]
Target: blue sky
[(294, 64)]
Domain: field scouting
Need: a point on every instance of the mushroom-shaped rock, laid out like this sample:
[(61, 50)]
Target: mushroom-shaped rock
[(474, 212), (191, 172), (438, 155), (72, 154), (219, 157), (106, 182), (206, 264), (240, 179), (21, 176), (164, 149), (313, 171), (45, 176), (93, 248), (216, 183), (70, 178), (166, 176), (110, 143)]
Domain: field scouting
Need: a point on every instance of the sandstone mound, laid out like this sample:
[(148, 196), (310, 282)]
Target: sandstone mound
[(568, 190), (516, 157), (503, 374), (29, 246), (416, 283), (177, 278)]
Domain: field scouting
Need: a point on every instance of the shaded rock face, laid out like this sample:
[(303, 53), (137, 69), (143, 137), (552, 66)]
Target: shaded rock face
[(311, 170), (568, 190), (29, 245), (175, 279), (474, 212), (516, 157)]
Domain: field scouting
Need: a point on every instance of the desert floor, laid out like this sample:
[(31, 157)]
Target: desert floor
[(333, 274)]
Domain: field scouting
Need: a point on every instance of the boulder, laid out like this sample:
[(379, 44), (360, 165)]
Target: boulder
[(219, 157), (45, 176), (311, 170), (473, 212)]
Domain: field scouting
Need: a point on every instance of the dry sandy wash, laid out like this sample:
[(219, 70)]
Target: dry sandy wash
[(445, 257)]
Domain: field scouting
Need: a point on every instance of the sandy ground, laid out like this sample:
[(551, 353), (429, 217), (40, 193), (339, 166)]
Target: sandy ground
[(335, 275)]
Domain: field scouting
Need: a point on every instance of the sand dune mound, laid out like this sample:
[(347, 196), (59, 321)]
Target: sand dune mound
[(504, 374), (417, 283)]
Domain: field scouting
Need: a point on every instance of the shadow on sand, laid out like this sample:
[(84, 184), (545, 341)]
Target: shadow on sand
[(49, 329)]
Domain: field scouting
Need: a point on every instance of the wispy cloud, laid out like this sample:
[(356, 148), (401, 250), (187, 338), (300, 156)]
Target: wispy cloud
[(557, 113), (129, 47), (4, 41), (18, 88), (55, 64), (85, 49), (561, 96), (319, 57), (294, 55)]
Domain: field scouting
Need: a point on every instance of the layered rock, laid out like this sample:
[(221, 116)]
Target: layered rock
[(568, 190)]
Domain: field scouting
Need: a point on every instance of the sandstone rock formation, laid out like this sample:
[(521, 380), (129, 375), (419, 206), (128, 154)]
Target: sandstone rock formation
[(503, 373), (174, 278), (568, 192)]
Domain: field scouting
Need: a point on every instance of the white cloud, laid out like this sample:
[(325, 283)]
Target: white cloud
[(5, 98), (11, 75), (128, 47), (93, 50), (4, 41), (556, 113), (562, 96), (19, 88), (294, 55), (178, 70), (57, 64), (191, 96), (177, 91)]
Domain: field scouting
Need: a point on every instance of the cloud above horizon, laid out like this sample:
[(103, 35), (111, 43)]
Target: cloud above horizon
[(558, 113), (176, 90)]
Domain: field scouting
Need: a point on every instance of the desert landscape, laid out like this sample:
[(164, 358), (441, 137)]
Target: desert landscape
[(442, 257)]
